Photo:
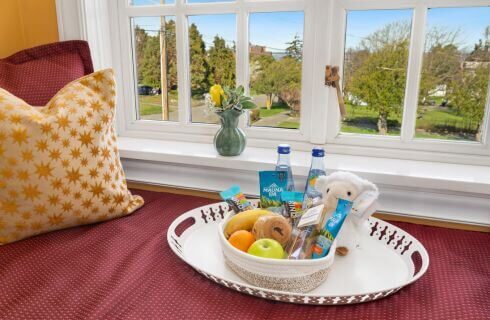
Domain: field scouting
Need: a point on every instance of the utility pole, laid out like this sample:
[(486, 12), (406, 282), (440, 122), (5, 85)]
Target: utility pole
[(163, 68)]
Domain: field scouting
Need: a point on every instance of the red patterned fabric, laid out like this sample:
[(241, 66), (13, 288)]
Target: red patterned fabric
[(124, 269), (37, 74)]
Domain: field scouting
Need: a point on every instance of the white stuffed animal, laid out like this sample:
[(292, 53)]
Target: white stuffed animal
[(362, 193)]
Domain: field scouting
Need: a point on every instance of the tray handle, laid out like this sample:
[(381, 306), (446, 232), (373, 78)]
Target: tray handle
[(420, 260), (176, 229)]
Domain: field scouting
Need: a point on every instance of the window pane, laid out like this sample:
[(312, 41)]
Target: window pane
[(276, 52), (207, 1), (212, 42), (150, 2), (153, 35), (375, 69), (455, 74)]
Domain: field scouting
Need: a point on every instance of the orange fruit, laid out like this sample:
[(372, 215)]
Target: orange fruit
[(241, 239)]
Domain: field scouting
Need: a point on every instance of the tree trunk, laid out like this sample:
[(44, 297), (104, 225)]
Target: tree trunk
[(478, 133), (382, 124), (268, 102)]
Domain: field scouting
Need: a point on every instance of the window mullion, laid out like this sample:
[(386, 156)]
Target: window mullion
[(335, 42), (486, 121), (416, 55), (183, 68), (242, 47), (241, 52)]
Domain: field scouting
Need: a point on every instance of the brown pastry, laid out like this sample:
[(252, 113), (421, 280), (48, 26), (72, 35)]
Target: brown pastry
[(272, 227), (342, 251)]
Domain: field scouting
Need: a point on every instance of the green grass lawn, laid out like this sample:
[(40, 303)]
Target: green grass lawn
[(152, 104), (361, 130), (444, 123), (434, 123), (428, 135), (435, 116), (275, 109), (364, 120), (289, 125)]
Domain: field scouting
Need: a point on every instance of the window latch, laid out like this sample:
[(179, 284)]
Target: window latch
[(332, 79)]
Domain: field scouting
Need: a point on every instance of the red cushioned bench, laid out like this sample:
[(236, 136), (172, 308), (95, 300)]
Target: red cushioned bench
[(124, 269)]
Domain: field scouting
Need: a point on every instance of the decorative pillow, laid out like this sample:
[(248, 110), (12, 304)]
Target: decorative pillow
[(38, 73), (59, 164)]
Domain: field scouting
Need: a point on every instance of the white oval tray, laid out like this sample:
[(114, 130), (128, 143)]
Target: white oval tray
[(387, 260)]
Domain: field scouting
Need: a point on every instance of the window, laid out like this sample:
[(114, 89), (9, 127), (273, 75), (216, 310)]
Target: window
[(156, 67), (414, 73), (375, 70), (275, 60), (150, 2), (212, 42), (204, 1), (455, 73)]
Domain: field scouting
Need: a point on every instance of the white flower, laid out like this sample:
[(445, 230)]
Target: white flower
[(208, 101)]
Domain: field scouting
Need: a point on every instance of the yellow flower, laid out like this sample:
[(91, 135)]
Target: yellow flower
[(217, 94)]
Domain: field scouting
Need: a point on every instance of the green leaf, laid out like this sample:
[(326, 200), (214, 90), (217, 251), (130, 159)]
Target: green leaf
[(248, 105), (240, 90), (245, 98)]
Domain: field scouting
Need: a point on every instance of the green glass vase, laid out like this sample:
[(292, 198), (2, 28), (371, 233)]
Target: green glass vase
[(229, 140)]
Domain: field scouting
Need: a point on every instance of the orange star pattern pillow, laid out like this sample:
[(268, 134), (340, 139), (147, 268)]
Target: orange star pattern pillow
[(59, 164)]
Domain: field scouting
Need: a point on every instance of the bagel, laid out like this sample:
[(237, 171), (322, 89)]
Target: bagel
[(273, 227)]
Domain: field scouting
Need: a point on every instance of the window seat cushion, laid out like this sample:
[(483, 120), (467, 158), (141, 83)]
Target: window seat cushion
[(37, 74), (124, 269)]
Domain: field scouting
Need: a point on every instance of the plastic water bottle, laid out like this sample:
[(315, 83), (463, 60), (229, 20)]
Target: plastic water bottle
[(284, 164), (317, 169)]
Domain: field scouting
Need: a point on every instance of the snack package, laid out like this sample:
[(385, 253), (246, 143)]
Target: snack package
[(236, 199), (272, 184), (330, 230), (305, 233), (311, 217), (293, 204), (301, 238)]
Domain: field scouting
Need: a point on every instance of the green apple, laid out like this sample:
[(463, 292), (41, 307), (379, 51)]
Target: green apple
[(266, 248)]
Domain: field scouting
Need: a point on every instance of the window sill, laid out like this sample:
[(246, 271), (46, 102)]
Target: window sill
[(395, 172), (429, 189)]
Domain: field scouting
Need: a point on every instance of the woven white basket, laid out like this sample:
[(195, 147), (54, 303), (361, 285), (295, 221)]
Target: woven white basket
[(277, 274)]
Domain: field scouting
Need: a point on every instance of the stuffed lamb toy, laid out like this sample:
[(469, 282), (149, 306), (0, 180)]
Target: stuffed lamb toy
[(362, 193)]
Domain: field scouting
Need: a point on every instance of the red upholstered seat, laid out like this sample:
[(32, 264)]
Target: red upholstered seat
[(124, 269), (38, 73)]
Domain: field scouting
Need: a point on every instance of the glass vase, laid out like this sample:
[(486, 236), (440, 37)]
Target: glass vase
[(229, 140)]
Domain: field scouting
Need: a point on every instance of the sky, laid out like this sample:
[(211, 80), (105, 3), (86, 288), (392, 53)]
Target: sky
[(274, 30), (470, 21)]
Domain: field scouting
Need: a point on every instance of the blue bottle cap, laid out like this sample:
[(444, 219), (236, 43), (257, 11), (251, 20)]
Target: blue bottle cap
[(283, 149), (318, 152)]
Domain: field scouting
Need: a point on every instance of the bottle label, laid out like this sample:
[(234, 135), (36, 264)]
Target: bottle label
[(312, 180), (310, 191)]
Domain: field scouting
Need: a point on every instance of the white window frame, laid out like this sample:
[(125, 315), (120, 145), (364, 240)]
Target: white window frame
[(406, 139), (324, 30), (184, 128)]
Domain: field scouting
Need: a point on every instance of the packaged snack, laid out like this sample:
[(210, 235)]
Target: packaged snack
[(293, 204), (300, 239), (272, 184), (330, 230), (311, 217), (236, 199)]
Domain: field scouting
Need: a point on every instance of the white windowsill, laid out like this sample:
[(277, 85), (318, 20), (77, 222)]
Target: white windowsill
[(440, 191), (393, 172)]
